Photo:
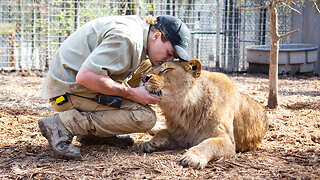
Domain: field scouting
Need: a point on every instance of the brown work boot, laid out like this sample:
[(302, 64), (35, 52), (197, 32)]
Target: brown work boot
[(119, 140), (58, 136)]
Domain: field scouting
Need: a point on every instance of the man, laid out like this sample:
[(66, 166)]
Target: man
[(100, 58)]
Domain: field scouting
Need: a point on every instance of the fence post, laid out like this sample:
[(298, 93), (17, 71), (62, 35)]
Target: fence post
[(218, 36)]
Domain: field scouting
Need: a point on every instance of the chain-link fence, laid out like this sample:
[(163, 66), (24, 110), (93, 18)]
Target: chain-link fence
[(23, 33), (31, 30)]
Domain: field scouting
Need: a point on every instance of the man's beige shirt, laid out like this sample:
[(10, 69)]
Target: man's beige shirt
[(113, 46)]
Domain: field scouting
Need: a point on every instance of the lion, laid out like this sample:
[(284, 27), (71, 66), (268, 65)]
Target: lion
[(204, 112)]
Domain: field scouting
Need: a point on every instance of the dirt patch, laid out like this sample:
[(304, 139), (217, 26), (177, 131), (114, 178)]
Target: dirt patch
[(290, 150)]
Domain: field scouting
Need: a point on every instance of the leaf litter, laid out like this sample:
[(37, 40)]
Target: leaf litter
[(290, 150)]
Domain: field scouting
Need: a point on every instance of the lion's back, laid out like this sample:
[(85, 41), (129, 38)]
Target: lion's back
[(250, 121)]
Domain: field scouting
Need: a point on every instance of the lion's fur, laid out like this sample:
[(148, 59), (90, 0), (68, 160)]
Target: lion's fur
[(204, 111)]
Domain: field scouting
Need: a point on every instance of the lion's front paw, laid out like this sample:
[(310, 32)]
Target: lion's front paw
[(147, 147), (193, 160)]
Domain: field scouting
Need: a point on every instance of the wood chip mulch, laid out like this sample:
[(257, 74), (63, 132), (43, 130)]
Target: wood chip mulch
[(290, 150)]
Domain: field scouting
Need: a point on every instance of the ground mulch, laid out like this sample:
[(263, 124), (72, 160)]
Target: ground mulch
[(290, 150)]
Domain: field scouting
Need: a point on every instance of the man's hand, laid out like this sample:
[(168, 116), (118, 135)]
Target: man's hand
[(142, 96)]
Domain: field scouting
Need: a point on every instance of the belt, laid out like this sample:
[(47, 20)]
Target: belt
[(113, 101)]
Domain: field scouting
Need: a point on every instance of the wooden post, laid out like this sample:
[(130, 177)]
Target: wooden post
[(12, 60), (274, 54)]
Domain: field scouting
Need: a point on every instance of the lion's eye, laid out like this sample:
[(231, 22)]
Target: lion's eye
[(165, 70)]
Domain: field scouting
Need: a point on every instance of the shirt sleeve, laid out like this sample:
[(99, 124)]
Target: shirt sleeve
[(112, 57)]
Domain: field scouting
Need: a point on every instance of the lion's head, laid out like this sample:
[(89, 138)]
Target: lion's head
[(166, 80)]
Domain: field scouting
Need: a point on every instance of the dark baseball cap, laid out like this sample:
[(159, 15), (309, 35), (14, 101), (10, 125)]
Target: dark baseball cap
[(177, 33)]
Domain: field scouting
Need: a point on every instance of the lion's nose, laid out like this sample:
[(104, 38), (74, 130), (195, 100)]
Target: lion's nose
[(146, 78)]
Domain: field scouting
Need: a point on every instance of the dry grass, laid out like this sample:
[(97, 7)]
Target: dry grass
[(291, 149)]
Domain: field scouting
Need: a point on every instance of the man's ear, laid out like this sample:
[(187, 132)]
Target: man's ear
[(157, 35), (192, 66)]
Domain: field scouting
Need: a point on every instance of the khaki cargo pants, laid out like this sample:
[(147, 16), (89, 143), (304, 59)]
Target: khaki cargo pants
[(81, 116)]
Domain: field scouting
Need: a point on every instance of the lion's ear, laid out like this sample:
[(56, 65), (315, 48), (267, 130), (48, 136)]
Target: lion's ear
[(193, 66)]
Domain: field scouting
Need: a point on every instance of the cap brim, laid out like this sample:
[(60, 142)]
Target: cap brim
[(182, 53)]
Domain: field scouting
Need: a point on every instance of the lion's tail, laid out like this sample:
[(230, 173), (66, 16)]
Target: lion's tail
[(250, 124)]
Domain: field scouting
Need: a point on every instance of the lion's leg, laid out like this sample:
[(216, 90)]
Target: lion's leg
[(161, 141), (198, 156)]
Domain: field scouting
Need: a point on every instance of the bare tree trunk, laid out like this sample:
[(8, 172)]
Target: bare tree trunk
[(274, 50), (274, 53)]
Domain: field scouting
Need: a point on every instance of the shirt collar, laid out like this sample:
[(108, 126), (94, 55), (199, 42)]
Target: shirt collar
[(145, 27)]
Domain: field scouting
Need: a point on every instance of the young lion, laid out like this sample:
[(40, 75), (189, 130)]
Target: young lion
[(204, 111)]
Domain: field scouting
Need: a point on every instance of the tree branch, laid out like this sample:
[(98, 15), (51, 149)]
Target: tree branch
[(316, 6), (266, 7), (291, 8), (287, 34), (258, 8), (285, 1)]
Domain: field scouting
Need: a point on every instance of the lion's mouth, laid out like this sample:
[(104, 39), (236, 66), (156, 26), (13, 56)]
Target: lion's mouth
[(155, 92)]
